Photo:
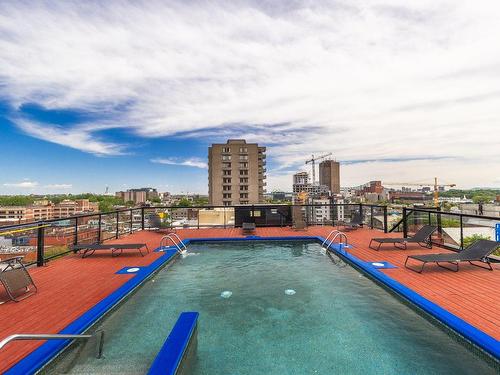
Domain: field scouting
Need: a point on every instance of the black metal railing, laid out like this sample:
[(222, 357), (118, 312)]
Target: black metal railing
[(41, 241), (455, 230)]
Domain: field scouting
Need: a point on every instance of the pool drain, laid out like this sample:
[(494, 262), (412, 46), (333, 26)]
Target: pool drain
[(226, 294), (289, 292)]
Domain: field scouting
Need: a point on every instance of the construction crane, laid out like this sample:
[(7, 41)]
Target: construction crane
[(313, 162), (435, 184)]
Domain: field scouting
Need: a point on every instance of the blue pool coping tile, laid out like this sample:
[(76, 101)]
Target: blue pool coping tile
[(130, 270), (34, 361), (169, 357), (42, 355), (380, 265), (469, 332)]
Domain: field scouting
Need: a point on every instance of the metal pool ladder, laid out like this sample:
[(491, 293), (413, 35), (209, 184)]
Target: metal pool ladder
[(173, 237), (99, 334), (332, 236)]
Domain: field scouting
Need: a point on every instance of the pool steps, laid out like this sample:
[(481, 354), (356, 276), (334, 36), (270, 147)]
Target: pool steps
[(173, 356)]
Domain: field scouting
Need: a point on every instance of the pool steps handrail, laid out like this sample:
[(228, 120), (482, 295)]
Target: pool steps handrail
[(328, 237), (332, 236), (173, 237), (99, 334)]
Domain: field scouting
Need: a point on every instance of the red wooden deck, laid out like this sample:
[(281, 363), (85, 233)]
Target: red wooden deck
[(69, 286)]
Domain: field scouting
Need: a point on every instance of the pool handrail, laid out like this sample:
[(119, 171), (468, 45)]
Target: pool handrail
[(57, 336), (171, 237), (340, 235), (329, 235), (336, 234)]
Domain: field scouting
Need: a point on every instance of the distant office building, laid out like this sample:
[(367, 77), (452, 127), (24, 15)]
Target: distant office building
[(138, 196), (409, 196), (329, 175), (373, 187), (236, 173), (46, 210), (325, 211), (300, 182)]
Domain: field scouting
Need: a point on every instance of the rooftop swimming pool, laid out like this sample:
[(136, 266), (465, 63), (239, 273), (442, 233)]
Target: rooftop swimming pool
[(280, 307)]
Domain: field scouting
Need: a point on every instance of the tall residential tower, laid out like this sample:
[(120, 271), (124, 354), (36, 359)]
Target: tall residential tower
[(236, 173), (329, 175)]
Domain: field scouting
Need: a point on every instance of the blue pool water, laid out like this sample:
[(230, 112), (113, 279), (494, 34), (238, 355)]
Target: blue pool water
[(273, 308)]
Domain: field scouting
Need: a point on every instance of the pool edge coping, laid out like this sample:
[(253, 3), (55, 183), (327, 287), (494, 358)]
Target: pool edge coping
[(44, 354)]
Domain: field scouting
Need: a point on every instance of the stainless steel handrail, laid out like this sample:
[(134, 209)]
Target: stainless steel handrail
[(178, 238), (328, 237), (168, 237), (56, 336), (341, 235)]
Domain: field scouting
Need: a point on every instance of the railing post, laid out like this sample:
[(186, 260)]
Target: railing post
[(224, 217), (461, 233), (438, 217), (99, 228), (131, 220), (198, 215), (371, 217), (40, 245), (117, 223), (361, 212), (385, 219), (405, 224), (142, 218), (75, 240)]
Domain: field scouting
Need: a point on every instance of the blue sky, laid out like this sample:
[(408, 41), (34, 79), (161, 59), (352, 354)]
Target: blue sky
[(34, 165), (128, 94)]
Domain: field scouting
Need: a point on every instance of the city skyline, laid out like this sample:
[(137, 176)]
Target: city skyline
[(103, 95)]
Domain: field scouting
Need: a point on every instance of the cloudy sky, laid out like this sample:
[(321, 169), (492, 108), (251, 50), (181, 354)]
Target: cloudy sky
[(127, 94)]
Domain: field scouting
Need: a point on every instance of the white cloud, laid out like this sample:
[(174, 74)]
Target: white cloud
[(77, 138), (59, 186), (26, 184), (190, 162), (365, 80)]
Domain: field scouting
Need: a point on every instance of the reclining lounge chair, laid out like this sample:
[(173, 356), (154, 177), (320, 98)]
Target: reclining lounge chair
[(476, 252), (116, 249), (422, 238), (15, 278), (355, 222), (248, 228)]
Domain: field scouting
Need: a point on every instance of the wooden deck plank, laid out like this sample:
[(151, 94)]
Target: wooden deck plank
[(70, 285)]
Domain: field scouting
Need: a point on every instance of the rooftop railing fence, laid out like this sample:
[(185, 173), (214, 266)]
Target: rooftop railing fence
[(455, 231), (42, 241)]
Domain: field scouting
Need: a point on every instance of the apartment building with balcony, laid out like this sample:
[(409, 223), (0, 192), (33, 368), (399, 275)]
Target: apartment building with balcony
[(236, 173), (45, 210), (138, 196)]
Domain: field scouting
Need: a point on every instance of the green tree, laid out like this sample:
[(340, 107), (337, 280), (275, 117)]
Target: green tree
[(482, 198), (184, 202), (450, 223), (473, 238), (200, 201), (155, 200), (16, 200), (105, 206)]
